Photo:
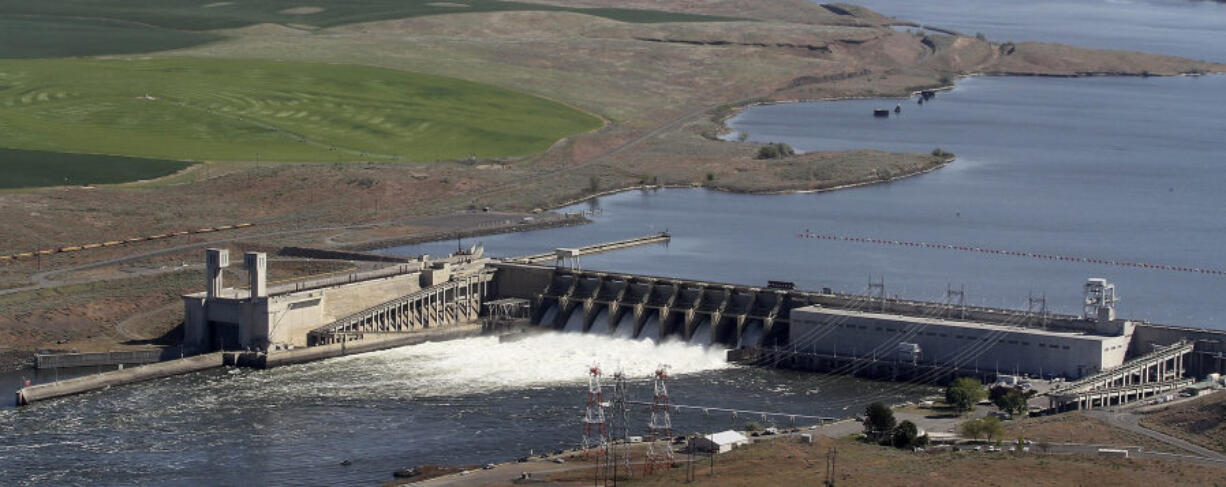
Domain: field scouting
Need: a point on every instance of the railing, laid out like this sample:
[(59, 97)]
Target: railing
[(1080, 385)]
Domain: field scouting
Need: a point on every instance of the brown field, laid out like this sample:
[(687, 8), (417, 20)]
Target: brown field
[(792, 463), (1076, 427), (662, 88), (1201, 421)]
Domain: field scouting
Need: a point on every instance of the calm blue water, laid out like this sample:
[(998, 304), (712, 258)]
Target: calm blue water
[(1188, 28), (1126, 169)]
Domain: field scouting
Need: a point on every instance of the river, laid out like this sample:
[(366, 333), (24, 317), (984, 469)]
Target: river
[(1188, 28), (1124, 169)]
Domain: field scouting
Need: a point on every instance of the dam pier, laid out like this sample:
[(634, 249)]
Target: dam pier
[(1100, 359)]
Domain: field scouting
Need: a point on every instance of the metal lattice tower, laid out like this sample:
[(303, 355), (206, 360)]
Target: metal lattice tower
[(1038, 306), (950, 294), (661, 425), (620, 425), (880, 287), (594, 434)]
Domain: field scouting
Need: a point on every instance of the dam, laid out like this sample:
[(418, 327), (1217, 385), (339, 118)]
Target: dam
[(869, 335)]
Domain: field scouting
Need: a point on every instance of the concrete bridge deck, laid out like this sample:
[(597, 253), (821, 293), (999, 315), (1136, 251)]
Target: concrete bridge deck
[(545, 257)]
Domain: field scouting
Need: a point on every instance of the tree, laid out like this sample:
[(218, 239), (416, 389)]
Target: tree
[(906, 435), (972, 428), (963, 393), (992, 427), (987, 427), (878, 422), (1011, 401)]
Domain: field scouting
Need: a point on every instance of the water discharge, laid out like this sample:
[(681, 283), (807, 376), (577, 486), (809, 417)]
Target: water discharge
[(752, 335), (651, 329), (482, 364), (600, 325), (625, 327), (550, 314), (574, 322), (702, 333)]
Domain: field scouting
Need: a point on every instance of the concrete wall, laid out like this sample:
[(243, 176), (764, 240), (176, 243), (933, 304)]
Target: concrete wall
[(78, 385), (1205, 358), (92, 359), (347, 299), (516, 281), (371, 343), (287, 318), (284, 319), (1027, 351)]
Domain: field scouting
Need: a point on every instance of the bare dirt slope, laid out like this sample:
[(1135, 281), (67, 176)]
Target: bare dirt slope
[(1201, 421)]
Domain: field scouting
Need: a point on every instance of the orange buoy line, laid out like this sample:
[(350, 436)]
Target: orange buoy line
[(1014, 253)]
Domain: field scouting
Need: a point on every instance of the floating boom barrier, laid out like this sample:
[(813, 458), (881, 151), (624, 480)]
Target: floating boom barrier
[(1014, 253), (112, 243)]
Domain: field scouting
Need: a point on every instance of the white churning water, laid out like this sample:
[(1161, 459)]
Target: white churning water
[(482, 364)]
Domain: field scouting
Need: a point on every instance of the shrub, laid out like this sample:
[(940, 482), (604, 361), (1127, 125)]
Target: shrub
[(878, 422), (775, 150), (905, 435)]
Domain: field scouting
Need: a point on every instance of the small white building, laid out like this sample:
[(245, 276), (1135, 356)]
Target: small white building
[(721, 442)]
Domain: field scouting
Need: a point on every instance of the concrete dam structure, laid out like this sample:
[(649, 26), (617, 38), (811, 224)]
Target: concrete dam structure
[(1108, 360), (833, 331), (396, 299)]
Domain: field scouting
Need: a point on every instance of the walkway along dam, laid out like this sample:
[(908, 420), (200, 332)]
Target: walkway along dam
[(1106, 360)]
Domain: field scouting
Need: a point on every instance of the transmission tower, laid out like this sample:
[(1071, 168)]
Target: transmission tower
[(960, 293), (1037, 306), (619, 427), (594, 435), (880, 288), (661, 425)]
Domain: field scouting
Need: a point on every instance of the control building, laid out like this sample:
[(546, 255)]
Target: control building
[(1100, 344)]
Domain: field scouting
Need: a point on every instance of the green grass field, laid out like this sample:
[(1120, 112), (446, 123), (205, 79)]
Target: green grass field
[(206, 109), (40, 37), (23, 168), (72, 28)]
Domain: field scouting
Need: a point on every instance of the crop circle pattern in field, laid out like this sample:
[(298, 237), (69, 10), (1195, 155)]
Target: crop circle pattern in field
[(206, 109)]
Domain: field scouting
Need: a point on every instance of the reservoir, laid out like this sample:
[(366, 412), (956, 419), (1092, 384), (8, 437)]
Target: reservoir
[(1126, 169), (1112, 168), (1187, 28)]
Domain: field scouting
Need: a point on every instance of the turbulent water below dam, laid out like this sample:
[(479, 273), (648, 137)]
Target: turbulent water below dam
[(467, 401)]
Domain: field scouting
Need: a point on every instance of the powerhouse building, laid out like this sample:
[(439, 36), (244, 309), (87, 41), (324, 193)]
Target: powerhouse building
[(964, 344)]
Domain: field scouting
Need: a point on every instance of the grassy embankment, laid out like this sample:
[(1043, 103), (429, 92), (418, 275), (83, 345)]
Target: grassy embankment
[(272, 111), (69, 28)]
